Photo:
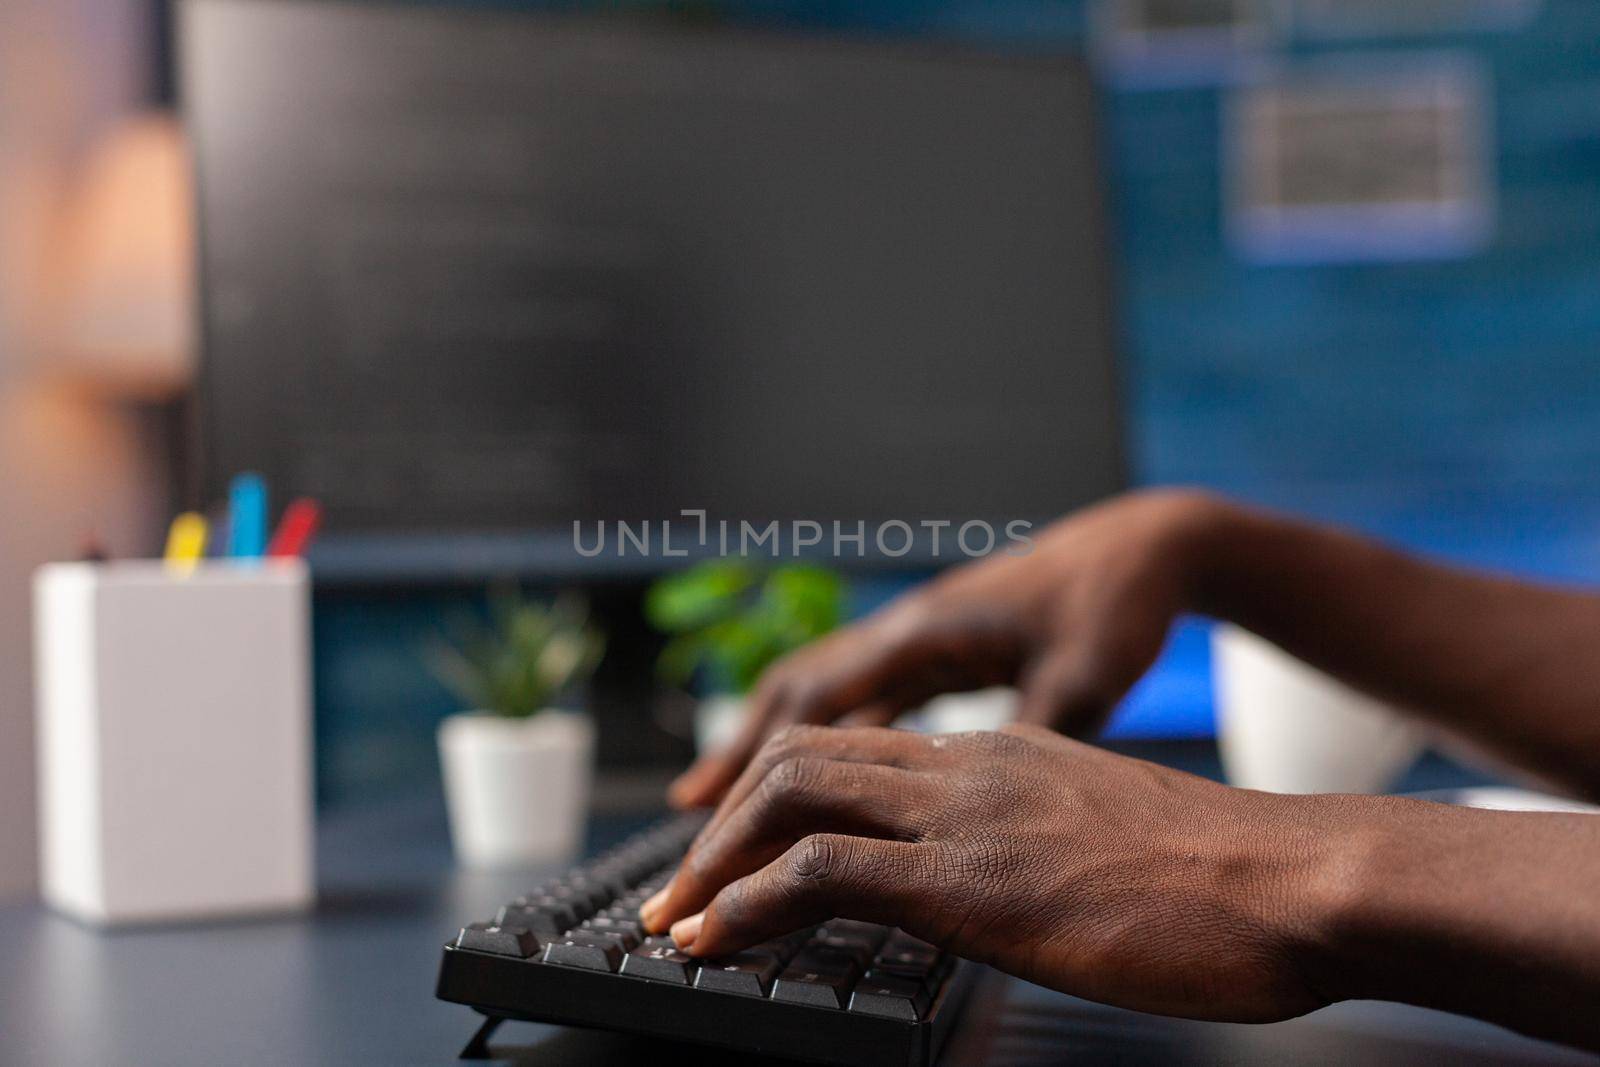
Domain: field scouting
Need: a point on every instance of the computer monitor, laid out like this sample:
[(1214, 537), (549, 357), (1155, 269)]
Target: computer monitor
[(469, 276)]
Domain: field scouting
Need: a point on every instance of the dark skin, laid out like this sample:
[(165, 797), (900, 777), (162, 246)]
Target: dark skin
[(1138, 885)]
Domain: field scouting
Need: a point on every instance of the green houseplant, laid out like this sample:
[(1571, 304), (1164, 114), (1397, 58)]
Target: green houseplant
[(526, 654), (726, 621), (516, 767)]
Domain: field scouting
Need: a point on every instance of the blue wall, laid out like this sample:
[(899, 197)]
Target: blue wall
[(1452, 406)]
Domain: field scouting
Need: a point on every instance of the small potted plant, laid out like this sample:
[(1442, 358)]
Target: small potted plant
[(726, 621), (516, 766)]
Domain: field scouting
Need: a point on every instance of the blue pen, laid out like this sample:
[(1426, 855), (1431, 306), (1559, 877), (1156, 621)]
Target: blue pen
[(247, 517)]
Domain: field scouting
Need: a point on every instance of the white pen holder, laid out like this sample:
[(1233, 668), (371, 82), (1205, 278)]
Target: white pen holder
[(174, 739)]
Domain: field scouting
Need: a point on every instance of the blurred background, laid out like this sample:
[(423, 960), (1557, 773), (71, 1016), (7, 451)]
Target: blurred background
[(1337, 257)]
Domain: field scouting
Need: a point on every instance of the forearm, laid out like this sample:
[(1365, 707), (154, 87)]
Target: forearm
[(1488, 914), (1513, 666)]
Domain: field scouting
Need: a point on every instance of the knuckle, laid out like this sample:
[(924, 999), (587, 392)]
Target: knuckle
[(788, 740), (776, 748), (791, 778), (817, 859)]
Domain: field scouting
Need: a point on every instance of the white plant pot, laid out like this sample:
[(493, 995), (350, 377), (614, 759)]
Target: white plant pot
[(517, 790), (717, 719), (958, 713), (716, 722), (1285, 727)]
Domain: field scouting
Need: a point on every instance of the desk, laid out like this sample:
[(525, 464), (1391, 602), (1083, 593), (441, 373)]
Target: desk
[(353, 984)]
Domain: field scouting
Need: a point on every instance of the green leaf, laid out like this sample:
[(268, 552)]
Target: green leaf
[(680, 657), (698, 597), (525, 656), (809, 599), (726, 630)]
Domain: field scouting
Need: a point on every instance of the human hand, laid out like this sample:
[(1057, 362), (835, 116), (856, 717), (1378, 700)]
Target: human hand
[(1096, 874), (1073, 624)]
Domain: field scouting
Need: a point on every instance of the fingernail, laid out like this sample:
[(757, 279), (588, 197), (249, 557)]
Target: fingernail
[(684, 931), (647, 910)]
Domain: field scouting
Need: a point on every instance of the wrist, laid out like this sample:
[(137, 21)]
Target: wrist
[(1371, 894), (1232, 555), (1324, 887), (1197, 532), (1482, 913)]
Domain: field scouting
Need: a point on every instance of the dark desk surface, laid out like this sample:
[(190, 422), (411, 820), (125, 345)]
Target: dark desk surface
[(353, 984)]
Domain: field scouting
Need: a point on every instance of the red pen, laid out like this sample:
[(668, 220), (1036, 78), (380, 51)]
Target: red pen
[(296, 529)]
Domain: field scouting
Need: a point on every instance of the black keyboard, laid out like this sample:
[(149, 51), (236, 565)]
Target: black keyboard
[(571, 951)]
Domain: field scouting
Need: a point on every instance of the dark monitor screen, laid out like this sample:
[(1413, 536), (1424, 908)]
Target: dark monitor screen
[(470, 271)]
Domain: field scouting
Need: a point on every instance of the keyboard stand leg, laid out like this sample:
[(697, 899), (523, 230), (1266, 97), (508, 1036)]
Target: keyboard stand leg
[(478, 1047)]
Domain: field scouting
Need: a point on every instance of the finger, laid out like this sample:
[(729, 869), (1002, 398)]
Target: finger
[(822, 877), (863, 744), (704, 783), (816, 685), (799, 796), (1068, 689), (708, 780), (894, 663), (891, 748), (871, 715)]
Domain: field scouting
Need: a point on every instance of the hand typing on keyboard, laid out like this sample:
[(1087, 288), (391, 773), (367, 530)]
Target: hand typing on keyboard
[(821, 907), (572, 950), (1072, 623), (1104, 876)]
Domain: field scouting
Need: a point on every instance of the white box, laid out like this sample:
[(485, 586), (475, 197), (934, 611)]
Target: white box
[(174, 739)]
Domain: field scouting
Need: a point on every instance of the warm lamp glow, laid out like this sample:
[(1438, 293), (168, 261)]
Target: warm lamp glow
[(128, 301)]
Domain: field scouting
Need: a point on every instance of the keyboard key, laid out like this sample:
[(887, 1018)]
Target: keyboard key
[(562, 911), (819, 977), (786, 946), (857, 931), (576, 902), (516, 941), (909, 951), (545, 923), (927, 983), (657, 958), (595, 876), (825, 960), (907, 956), (589, 898), (629, 933), (857, 948), (591, 951), (750, 973), (890, 997)]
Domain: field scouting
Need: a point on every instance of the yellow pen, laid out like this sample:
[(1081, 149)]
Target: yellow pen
[(186, 541)]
